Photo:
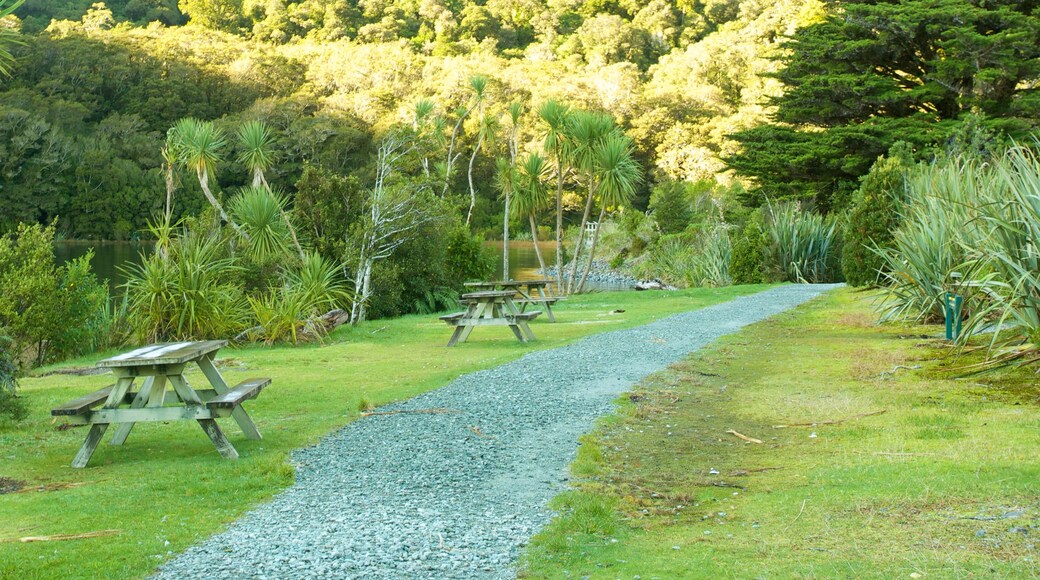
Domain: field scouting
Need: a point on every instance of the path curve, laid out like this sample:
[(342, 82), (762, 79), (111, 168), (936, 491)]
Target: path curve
[(457, 495)]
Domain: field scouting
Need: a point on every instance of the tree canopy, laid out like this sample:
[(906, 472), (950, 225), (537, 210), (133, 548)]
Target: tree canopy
[(873, 73)]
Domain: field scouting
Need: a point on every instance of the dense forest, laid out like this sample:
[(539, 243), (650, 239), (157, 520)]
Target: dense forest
[(96, 87)]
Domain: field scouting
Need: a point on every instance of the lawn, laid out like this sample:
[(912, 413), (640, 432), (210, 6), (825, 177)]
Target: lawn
[(167, 487), (876, 458)]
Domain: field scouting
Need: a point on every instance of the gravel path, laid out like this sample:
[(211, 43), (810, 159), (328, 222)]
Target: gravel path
[(457, 495)]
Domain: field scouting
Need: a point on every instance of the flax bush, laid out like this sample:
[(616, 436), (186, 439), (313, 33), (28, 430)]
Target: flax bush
[(801, 246)]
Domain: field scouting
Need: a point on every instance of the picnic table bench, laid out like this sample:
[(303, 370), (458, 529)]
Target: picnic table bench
[(530, 292), (490, 308), (160, 364)]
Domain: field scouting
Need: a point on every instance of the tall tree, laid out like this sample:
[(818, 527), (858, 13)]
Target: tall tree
[(617, 175), (881, 71), (515, 111), (530, 195), (555, 115), (257, 154), (587, 131), (197, 146)]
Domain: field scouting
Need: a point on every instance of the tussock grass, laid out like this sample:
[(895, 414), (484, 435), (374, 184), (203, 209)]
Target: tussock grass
[(942, 484)]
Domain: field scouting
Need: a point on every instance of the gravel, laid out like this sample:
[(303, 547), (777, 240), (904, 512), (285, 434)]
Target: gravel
[(457, 494)]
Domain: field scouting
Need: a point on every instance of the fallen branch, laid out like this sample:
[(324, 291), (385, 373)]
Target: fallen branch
[(476, 430), (724, 484), (744, 437), (422, 411), (889, 374), (897, 454), (62, 537), (743, 472), (831, 422), (380, 329)]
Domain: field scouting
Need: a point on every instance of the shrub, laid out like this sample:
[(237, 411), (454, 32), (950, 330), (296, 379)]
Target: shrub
[(49, 311), (800, 245), (690, 259), (929, 253), (749, 250), (671, 207), (874, 217), (11, 406)]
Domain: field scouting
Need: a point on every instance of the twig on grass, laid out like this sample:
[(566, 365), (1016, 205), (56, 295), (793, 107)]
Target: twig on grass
[(380, 329), (53, 486), (797, 516), (832, 421), (744, 437), (422, 411), (743, 472), (61, 537), (901, 454), (477, 432), (889, 374)]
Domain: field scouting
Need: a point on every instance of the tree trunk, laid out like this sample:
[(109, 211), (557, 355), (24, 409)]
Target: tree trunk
[(559, 223), (204, 182), (581, 240), (169, 192), (505, 242), (592, 252), (472, 190), (534, 238)]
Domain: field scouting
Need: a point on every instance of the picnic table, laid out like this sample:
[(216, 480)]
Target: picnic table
[(161, 365), (490, 308), (531, 292)]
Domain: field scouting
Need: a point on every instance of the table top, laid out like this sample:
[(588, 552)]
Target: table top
[(489, 294), (508, 283), (167, 353)]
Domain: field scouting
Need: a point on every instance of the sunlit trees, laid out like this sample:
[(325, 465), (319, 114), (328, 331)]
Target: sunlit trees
[(555, 114), (8, 36)]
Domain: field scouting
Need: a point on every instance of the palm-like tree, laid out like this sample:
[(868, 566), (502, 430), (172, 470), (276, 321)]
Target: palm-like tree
[(505, 181), (555, 115), (515, 110), (197, 146), (257, 154), (169, 162), (586, 131), (530, 195), (7, 37), (616, 173)]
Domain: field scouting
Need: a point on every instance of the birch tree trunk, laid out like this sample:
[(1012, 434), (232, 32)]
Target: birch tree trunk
[(592, 252)]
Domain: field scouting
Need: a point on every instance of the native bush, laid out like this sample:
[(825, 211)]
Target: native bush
[(874, 216), (11, 406), (749, 250), (800, 245), (931, 250), (48, 311), (691, 259)]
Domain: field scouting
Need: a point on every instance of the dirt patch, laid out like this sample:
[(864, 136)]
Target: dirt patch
[(8, 485)]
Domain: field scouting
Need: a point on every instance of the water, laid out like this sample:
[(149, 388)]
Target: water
[(110, 258)]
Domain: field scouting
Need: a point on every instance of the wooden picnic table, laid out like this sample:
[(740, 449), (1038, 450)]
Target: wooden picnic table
[(162, 364), (531, 292), (490, 308)]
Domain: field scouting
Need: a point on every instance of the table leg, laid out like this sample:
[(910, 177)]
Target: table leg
[(455, 335), (245, 423), (526, 328), (224, 447), (516, 332), (548, 307), (143, 396), (475, 312), (209, 426), (97, 430)]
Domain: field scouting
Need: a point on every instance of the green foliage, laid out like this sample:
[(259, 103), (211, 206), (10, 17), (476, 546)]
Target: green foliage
[(874, 216), (873, 73), (800, 245), (671, 207), (749, 251), (929, 252), (259, 211), (49, 312), (690, 260), (190, 292), (11, 406)]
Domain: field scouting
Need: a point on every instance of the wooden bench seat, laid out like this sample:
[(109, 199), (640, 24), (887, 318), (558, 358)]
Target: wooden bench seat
[(549, 301), (525, 316), (83, 404), (247, 389), (452, 319)]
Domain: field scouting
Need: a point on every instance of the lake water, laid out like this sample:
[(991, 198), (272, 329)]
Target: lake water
[(111, 258)]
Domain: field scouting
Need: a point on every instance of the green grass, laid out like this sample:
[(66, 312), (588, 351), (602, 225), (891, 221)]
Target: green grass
[(167, 488), (943, 483)]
